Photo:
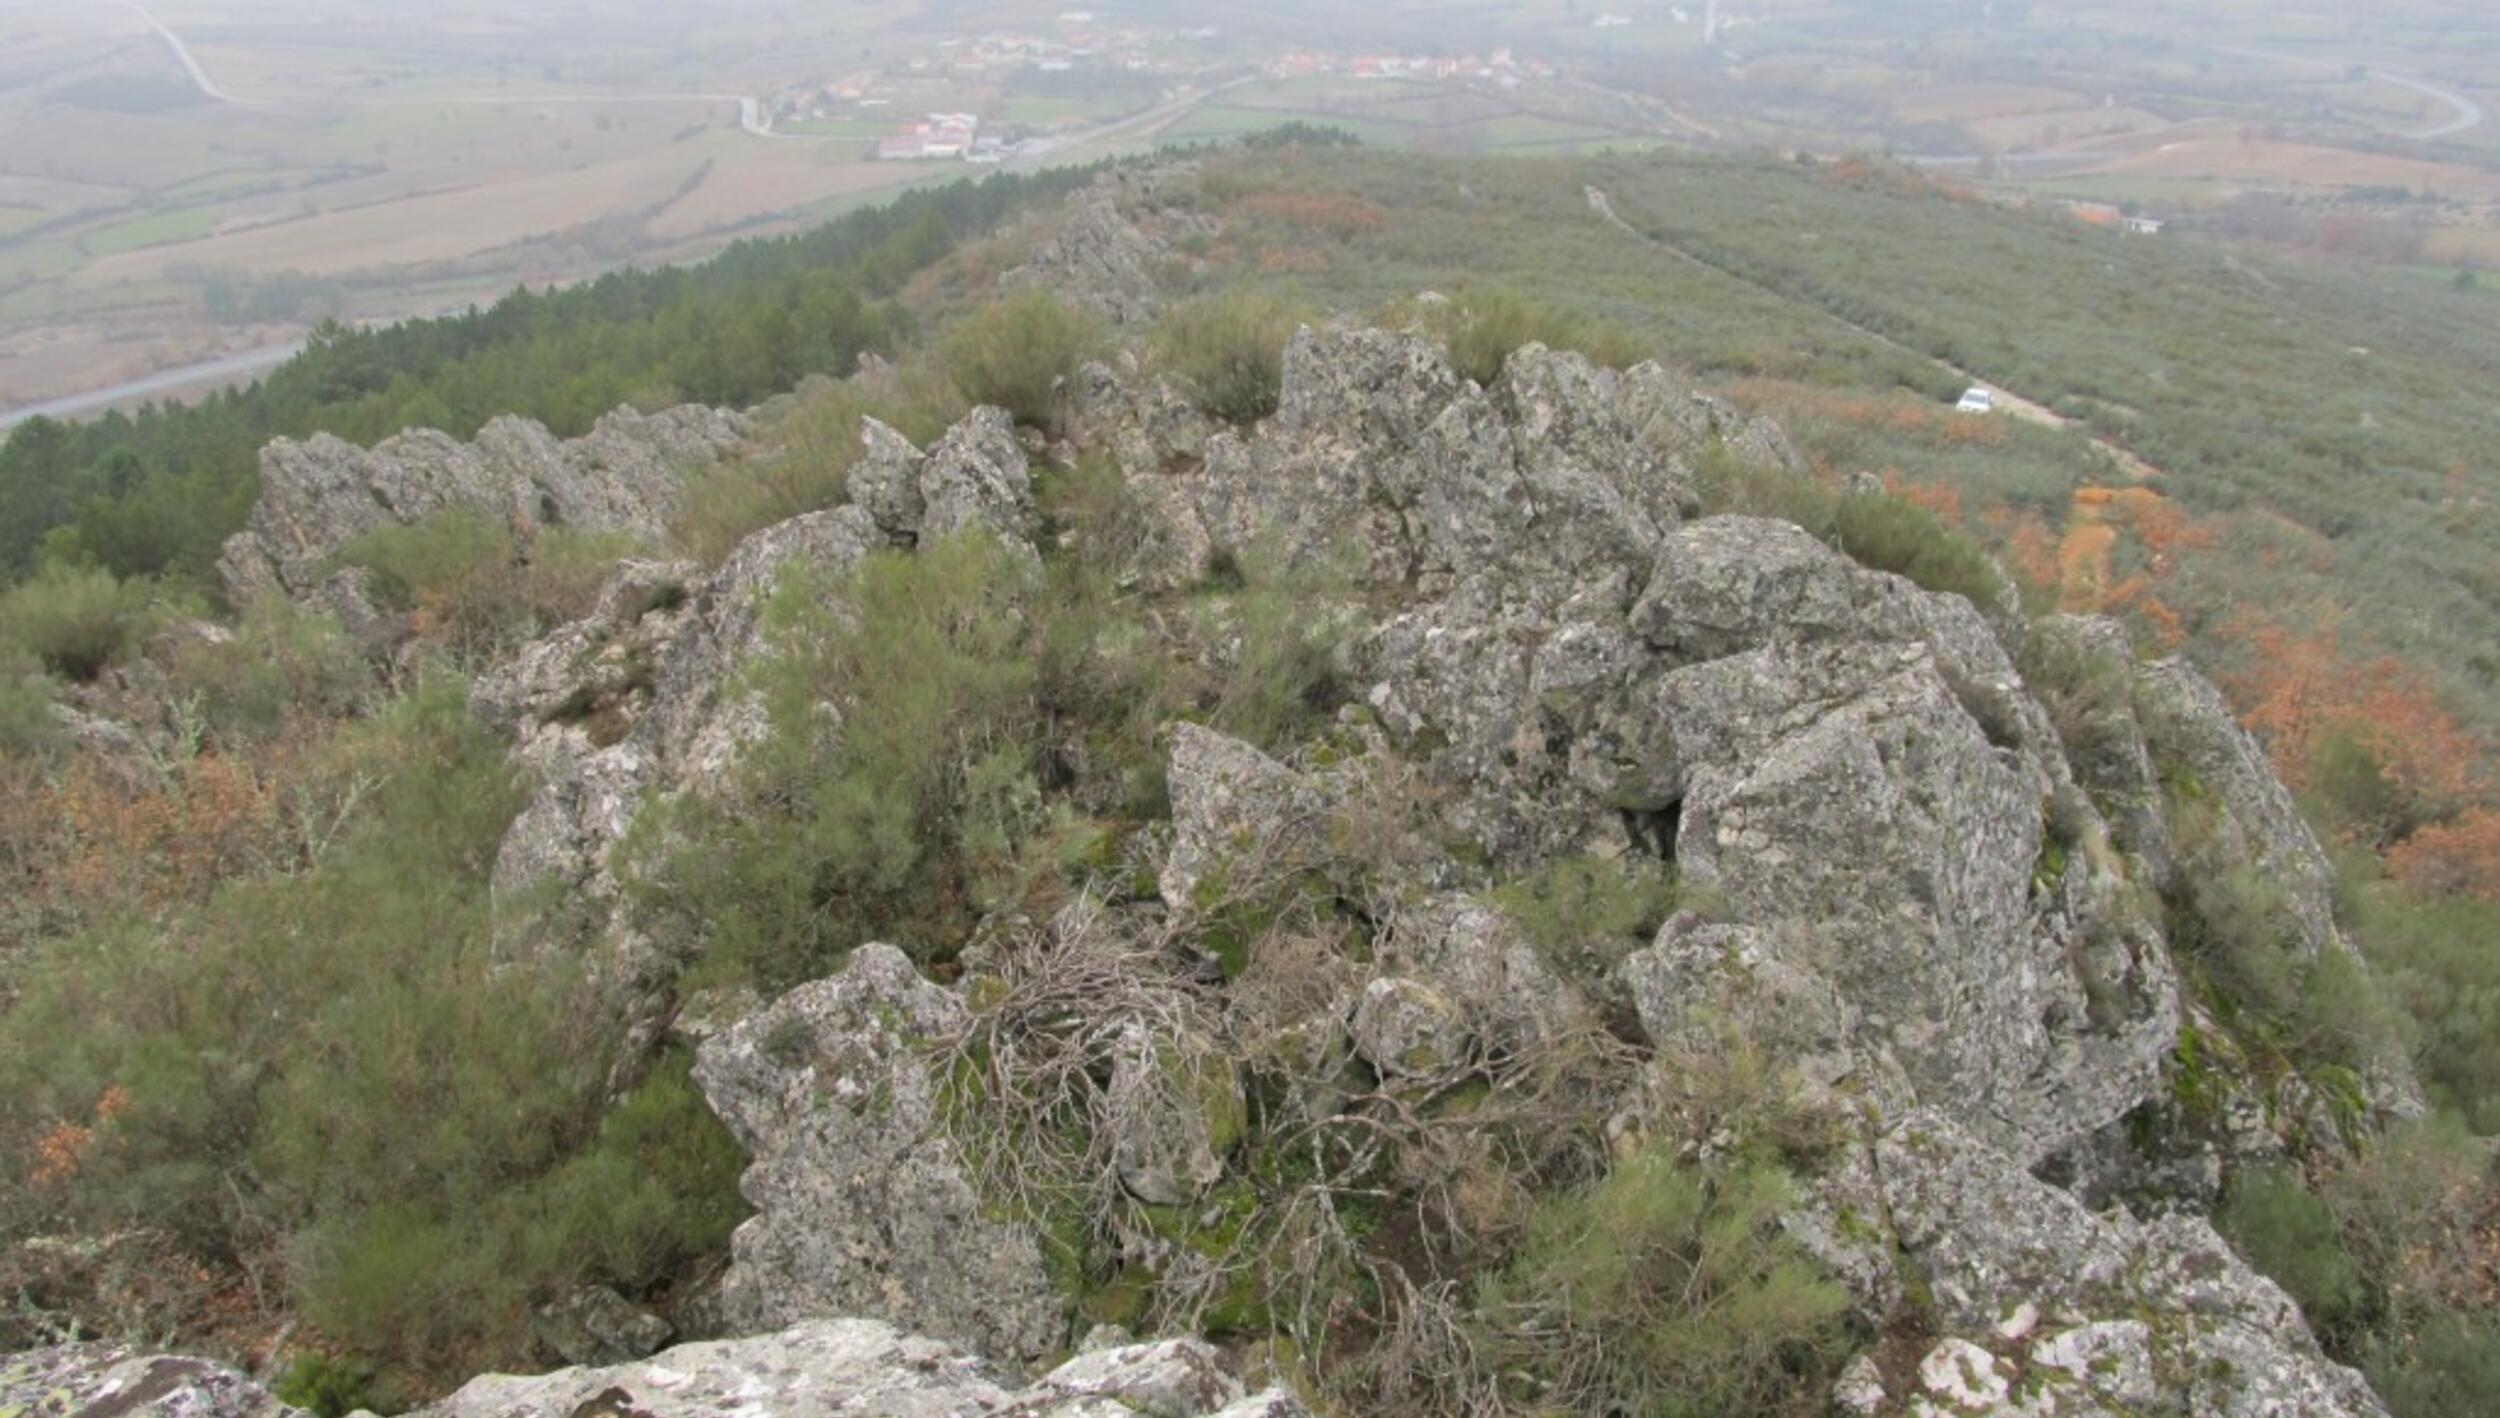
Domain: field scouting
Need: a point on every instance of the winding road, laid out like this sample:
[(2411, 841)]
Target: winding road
[(2469, 114)]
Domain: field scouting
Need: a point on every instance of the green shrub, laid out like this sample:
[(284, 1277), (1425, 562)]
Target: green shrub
[(1229, 350), (882, 828), (77, 621), (2283, 1230), (1485, 326), (1586, 914), (1285, 626), (1662, 1290), (1018, 353), (2432, 956), (566, 569), (286, 663), (326, 1387), (458, 573), (28, 731), (332, 1068), (2450, 1365)]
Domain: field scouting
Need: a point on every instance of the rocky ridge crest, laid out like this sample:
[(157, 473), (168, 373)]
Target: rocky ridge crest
[(1927, 899)]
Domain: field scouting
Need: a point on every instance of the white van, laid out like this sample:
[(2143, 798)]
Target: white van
[(1976, 400)]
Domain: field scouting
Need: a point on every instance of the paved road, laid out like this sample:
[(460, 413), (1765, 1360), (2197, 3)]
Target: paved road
[(191, 376), (190, 63), (2469, 114)]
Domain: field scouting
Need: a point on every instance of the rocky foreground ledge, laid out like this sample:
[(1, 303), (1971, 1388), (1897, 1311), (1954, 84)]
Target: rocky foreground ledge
[(824, 1369)]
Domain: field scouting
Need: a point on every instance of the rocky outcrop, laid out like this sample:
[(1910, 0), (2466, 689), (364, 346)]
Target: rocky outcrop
[(642, 697), (863, 1204), (319, 495), (2044, 1308), (863, 1367), (1106, 254), (825, 1367), (1927, 896), (109, 1381)]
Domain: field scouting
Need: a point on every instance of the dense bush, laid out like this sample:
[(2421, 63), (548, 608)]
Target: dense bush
[(1018, 354), (27, 730), (77, 620), (285, 666), (468, 582), (2382, 1248), (2291, 1235), (1229, 351), (1485, 325), (1586, 914), (1663, 1289), (2433, 956), (330, 1068), (896, 825)]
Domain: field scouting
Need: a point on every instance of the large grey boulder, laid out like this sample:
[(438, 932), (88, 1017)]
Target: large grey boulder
[(1237, 815), (320, 494), (110, 1381), (2046, 1308), (851, 1368), (864, 1206)]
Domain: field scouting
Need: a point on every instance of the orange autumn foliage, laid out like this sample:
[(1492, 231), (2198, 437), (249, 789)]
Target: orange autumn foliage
[(2462, 856), (1942, 499), (2296, 688), (1336, 215), (60, 1152)]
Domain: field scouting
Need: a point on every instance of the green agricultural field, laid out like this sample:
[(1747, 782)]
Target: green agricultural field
[(155, 229)]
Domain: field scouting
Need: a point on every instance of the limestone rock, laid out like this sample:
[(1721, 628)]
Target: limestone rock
[(2093, 1307), (1105, 256), (826, 1368), (1177, 1108), (320, 494), (863, 1206), (2189, 728), (1233, 809), (976, 478), (109, 1381), (885, 482), (596, 1325)]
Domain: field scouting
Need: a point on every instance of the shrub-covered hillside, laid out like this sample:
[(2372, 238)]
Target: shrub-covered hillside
[(1231, 785)]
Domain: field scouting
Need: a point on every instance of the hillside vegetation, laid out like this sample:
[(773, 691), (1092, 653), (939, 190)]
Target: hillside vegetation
[(284, 1045)]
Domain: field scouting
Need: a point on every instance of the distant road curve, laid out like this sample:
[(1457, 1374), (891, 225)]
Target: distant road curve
[(190, 62), (168, 381), (2469, 114)]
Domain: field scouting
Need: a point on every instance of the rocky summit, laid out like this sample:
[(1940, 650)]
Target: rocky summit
[(1918, 886)]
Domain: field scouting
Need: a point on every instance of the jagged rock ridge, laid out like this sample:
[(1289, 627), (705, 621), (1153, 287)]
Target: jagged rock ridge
[(1929, 902)]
